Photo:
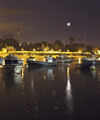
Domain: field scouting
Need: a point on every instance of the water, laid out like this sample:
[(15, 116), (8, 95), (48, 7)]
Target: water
[(49, 93)]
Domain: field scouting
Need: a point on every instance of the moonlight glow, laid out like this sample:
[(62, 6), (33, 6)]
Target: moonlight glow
[(68, 24)]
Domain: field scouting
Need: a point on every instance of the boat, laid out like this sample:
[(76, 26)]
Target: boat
[(64, 59), (48, 61), (1, 61), (12, 65), (97, 60), (87, 62), (20, 60)]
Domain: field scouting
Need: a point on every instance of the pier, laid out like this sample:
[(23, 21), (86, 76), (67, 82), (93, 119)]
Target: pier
[(23, 54)]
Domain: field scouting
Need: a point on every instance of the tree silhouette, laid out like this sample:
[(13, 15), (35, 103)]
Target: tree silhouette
[(58, 45), (71, 40), (8, 40)]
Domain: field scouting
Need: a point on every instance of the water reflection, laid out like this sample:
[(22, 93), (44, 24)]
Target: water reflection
[(17, 79), (61, 92), (2, 83), (79, 60), (12, 80), (98, 75), (39, 82), (47, 72), (23, 70), (93, 72), (47, 91), (69, 97)]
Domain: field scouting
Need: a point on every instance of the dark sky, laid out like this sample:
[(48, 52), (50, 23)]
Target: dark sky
[(46, 20)]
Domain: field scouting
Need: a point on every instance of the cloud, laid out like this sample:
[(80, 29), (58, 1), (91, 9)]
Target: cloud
[(9, 25), (10, 12), (11, 19)]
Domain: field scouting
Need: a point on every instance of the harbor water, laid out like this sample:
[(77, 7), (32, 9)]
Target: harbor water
[(49, 93)]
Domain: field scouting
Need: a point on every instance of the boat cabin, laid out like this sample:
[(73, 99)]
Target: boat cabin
[(10, 59), (49, 59)]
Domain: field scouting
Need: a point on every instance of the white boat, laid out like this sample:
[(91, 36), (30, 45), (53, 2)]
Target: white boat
[(48, 61), (20, 61), (1, 61), (12, 65)]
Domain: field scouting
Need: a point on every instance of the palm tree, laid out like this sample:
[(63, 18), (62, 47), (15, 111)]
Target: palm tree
[(71, 40), (80, 40)]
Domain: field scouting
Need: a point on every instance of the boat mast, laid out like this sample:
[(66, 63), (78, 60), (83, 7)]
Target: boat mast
[(64, 44), (85, 43)]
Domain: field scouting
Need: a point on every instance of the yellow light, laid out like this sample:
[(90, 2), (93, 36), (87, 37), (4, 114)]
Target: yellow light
[(22, 49), (68, 72), (20, 44), (4, 50), (98, 51), (59, 50), (44, 59), (79, 60), (52, 50), (28, 43), (22, 73), (1, 66), (80, 51), (33, 49), (44, 77)]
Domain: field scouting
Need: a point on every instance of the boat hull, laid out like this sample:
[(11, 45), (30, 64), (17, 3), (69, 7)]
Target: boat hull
[(86, 64), (65, 60), (9, 69), (41, 63)]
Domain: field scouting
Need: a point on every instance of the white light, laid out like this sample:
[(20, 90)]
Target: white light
[(68, 24)]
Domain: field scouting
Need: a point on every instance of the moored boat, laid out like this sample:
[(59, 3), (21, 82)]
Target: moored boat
[(48, 61), (64, 59), (87, 62), (12, 65), (1, 61)]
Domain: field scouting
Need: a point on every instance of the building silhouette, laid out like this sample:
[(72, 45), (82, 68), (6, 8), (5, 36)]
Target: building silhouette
[(18, 35)]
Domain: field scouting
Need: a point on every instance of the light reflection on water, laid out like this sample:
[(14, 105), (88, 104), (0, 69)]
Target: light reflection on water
[(98, 75), (61, 92), (12, 80), (69, 97)]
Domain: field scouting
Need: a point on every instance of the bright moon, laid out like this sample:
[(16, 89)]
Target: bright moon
[(68, 24)]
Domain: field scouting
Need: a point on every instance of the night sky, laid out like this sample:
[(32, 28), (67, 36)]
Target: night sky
[(46, 20)]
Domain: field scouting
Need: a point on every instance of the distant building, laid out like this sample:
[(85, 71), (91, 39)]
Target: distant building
[(9, 48), (18, 35), (44, 48), (4, 50)]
